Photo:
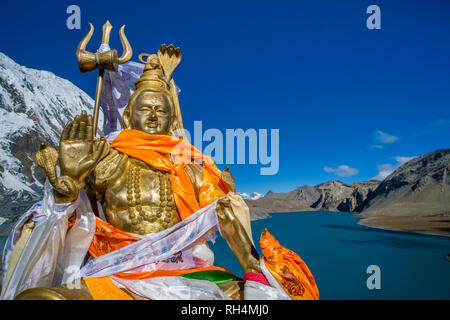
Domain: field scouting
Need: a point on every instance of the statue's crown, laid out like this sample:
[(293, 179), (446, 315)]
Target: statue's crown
[(159, 68), (153, 75)]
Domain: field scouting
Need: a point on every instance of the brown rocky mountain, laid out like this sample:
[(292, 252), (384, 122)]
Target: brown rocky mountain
[(328, 196), (415, 197), (420, 187)]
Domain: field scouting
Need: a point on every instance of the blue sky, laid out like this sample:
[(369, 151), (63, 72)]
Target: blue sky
[(347, 100)]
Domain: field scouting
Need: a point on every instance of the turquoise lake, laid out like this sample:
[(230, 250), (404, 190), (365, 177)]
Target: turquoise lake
[(338, 252)]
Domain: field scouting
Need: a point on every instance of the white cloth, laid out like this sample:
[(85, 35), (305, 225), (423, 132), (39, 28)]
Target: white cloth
[(272, 281), (116, 91), (156, 246), (257, 291), (173, 288), (51, 253)]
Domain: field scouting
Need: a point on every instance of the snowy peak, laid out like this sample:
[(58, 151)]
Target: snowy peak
[(34, 107), (253, 196)]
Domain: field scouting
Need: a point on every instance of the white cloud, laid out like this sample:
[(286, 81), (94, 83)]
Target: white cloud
[(383, 137), (386, 169), (342, 171), (379, 138)]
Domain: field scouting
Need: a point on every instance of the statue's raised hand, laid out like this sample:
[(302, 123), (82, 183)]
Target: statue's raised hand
[(78, 154)]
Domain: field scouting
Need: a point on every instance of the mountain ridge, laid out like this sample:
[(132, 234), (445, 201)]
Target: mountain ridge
[(415, 178), (419, 187), (332, 195), (415, 197), (34, 107)]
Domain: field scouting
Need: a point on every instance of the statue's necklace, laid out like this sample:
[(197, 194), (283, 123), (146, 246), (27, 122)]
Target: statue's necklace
[(135, 210)]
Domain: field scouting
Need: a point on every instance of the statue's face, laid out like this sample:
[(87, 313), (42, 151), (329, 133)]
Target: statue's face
[(151, 113)]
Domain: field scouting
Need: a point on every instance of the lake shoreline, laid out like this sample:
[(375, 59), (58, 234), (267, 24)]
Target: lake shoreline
[(432, 225), (436, 225)]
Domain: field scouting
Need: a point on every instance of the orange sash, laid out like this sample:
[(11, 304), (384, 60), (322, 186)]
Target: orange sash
[(151, 149), (104, 289), (165, 273), (108, 238), (288, 269)]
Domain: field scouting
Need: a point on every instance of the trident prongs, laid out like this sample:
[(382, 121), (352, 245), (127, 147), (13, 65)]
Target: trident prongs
[(88, 61)]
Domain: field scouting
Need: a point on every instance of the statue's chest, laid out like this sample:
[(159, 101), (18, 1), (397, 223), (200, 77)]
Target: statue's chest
[(140, 200), (140, 186)]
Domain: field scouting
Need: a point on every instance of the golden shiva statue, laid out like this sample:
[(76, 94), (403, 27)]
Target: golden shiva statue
[(159, 202)]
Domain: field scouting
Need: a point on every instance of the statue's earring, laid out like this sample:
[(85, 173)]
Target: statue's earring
[(176, 131), (126, 118), (172, 128)]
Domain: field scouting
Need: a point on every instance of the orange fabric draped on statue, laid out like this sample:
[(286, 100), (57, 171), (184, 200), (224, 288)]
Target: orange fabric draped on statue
[(152, 148), (288, 269), (108, 238)]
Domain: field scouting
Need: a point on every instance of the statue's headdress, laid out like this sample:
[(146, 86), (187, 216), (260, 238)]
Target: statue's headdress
[(157, 76)]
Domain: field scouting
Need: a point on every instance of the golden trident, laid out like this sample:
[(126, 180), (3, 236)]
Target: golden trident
[(88, 61)]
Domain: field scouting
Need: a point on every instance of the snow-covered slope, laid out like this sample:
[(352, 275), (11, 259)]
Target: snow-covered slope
[(253, 196), (34, 107)]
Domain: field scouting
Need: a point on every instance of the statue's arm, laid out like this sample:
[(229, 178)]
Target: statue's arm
[(78, 155), (231, 227), (195, 173), (236, 236)]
